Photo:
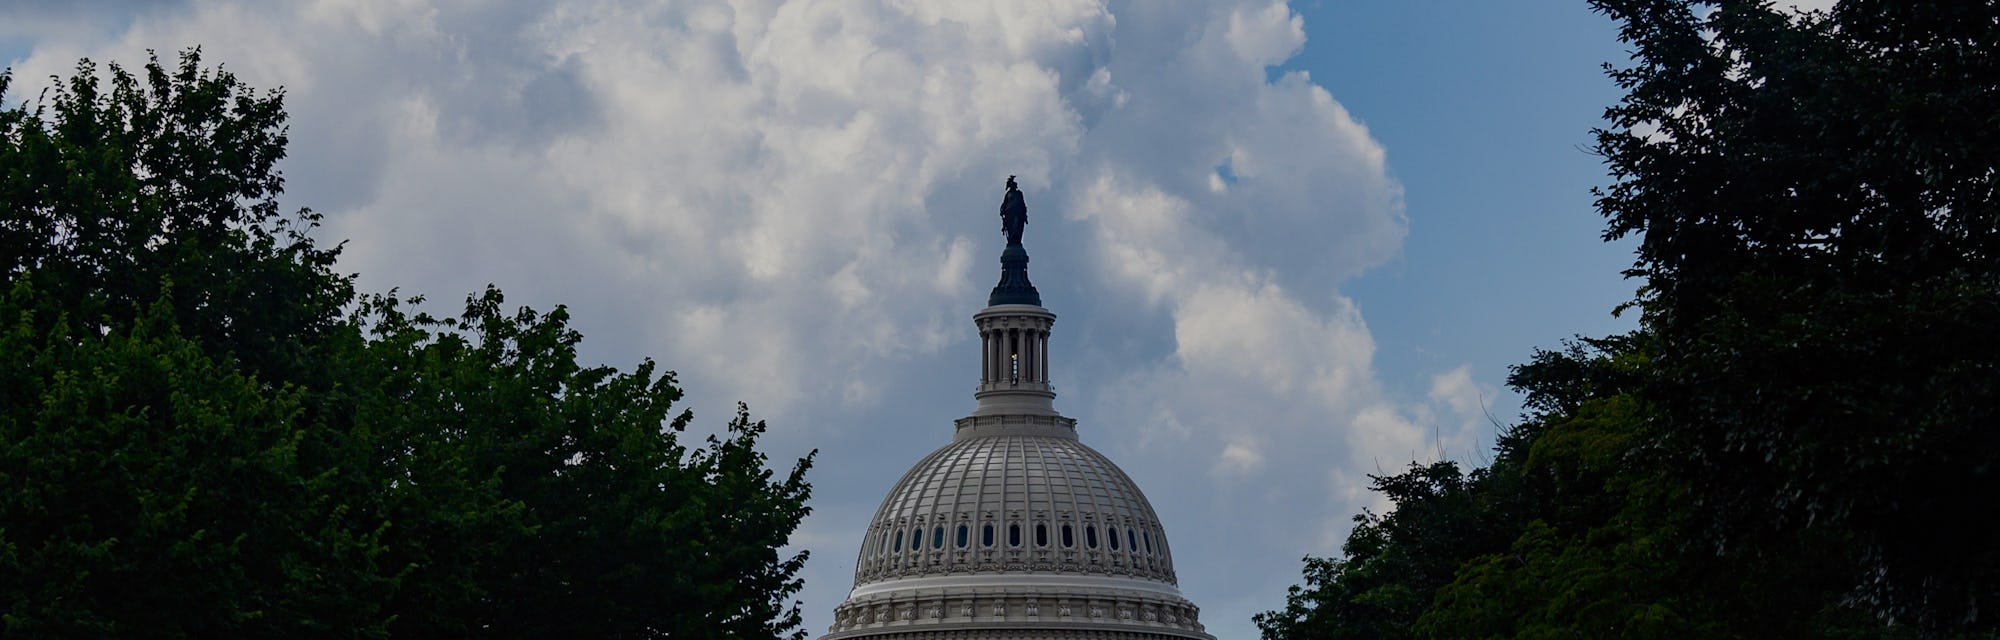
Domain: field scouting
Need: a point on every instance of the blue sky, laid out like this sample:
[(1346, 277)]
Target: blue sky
[(1290, 245), (1486, 110)]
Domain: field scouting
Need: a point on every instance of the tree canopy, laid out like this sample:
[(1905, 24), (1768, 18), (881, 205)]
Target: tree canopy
[(205, 430), (1799, 440)]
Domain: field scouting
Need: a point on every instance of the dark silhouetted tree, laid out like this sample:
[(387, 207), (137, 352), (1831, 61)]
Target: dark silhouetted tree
[(205, 432)]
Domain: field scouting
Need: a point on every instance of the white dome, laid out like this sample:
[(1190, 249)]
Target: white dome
[(1015, 530), (1015, 503)]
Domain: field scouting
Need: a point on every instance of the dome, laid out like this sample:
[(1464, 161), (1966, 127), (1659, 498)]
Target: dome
[(1015, 503), (1018, 526), (1015, 530)]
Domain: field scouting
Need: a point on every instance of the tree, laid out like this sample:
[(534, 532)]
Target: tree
[(151, 489), (1542, 543), (1576, 530), (1819, 242), (567, 510), (204, 431), (168, 180), (1796, 441), (160, 442), (1392, 563)]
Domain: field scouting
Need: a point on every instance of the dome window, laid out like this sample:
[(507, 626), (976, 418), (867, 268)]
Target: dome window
[(937, 538), (916, 538), (1013, 535), (899, 542), (1149, 542), (1090, 536), (1131, 540), (986, 536), (1069, 539), (1112, 533), (1041, 535), (963, 538)]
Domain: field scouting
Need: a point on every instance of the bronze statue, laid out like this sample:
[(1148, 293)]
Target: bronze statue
[(1013, 213)]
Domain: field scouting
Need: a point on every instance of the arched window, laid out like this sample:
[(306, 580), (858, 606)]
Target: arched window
[(1069, 539), (1090, 536), (986, 536), (1041, 535), (1013, 535), (963, 538), (1149, 541), (1112, 532), (937, 538), (916, 538), (1131, 540), (899, 541)]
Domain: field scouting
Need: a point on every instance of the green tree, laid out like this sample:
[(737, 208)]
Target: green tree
[(1473, 555), (166, 463), (152, 490), (168, 179), (571, 512), (1819, 242), (1392, 563), (1800, 439), (204, 431), (1576, 530)]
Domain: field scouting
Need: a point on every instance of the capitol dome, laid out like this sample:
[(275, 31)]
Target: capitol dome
[(1015, 529)]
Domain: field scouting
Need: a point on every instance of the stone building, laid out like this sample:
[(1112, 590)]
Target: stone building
[(1015, 529)]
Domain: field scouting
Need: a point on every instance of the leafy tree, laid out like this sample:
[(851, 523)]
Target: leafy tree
[(152, 490), (1797, 442), (1467, 555), (169, 179), (572, 512), (1819, 240), (1392, 563), (1576, 530), (164, 458), (204, 431)]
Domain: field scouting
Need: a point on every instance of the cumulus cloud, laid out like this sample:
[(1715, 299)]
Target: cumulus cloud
[(792, 203)]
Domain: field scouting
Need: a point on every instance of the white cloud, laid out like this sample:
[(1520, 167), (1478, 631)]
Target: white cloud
[(793, 204), (1266, 35)]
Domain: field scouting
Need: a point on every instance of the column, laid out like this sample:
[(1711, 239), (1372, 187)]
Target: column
[(1042, 346), (1028, 355)]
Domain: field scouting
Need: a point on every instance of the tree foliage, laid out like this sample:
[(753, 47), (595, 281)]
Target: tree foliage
[(1819, 238), (204, 430), (1799, 439)]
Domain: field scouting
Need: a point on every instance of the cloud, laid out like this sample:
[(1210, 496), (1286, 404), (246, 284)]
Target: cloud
[(793, 204)]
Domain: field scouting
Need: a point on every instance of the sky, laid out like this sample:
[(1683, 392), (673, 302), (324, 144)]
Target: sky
[(1289, 245)]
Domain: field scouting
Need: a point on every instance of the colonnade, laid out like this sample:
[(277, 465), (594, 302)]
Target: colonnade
[(1014, 355)]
